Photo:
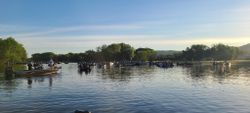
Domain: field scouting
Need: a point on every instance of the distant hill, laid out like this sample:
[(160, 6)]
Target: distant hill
[(167, 52), (246, 50)]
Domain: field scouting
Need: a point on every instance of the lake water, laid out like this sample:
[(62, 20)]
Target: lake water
[(197, 89)]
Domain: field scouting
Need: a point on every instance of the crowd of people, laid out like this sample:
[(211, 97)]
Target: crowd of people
[(39, 66)]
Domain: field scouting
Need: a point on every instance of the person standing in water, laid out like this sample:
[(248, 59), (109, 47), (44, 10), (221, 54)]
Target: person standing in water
[(29, 66)]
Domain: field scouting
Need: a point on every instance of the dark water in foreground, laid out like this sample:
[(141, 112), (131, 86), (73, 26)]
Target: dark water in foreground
[(131, 90)]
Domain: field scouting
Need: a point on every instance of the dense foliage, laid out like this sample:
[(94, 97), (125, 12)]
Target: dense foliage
[(216, 52), (224, 52), (196, 52), (145, 54), (43, 57), (11, 51), (116, 52)]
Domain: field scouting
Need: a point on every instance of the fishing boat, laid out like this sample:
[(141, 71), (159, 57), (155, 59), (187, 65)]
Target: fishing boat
[(40, 72)]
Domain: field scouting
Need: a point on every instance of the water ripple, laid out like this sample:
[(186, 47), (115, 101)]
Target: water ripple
[(130, 89)]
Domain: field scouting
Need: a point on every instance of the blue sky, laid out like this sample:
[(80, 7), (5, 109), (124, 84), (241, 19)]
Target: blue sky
[(63, 26)]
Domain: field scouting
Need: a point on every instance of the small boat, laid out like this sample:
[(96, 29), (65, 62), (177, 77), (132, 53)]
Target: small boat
[(41, 72)]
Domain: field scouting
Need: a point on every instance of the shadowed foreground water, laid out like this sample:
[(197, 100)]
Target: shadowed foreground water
[(131, 90)]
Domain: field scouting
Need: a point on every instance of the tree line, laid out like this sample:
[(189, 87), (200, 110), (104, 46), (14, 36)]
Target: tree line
[(116, 52), (11, 51), (120, 52)]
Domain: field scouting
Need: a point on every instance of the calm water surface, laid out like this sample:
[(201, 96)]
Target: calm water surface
[(197, 89)]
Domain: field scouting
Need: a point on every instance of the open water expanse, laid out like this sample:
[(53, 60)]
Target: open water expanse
[(196, 89)]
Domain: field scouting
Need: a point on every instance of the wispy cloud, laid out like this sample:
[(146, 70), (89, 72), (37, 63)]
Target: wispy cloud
[(14, 29), (31, 31), (58, 30)]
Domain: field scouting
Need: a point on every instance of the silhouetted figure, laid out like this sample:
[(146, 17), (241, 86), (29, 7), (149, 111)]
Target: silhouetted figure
[(84, 67), (29, 66)]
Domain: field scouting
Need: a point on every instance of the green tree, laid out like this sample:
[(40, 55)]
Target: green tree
[(43, 57), (196, 52), (62, 58), (224, 52), (145, 54), (90, 56), (11, 50), (117, 52), (127, 52)]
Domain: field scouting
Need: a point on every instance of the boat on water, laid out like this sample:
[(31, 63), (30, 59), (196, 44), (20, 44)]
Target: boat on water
[(40, 72)]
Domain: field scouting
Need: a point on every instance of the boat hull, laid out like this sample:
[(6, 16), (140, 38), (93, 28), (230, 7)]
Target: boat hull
[(36, 72)]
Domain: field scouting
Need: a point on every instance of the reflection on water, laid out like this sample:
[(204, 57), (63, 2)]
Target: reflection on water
[(130, 89), (31, 80), (219, 74)]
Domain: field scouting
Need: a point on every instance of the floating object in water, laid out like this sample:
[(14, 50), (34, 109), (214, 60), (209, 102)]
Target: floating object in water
[(77, 111)]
